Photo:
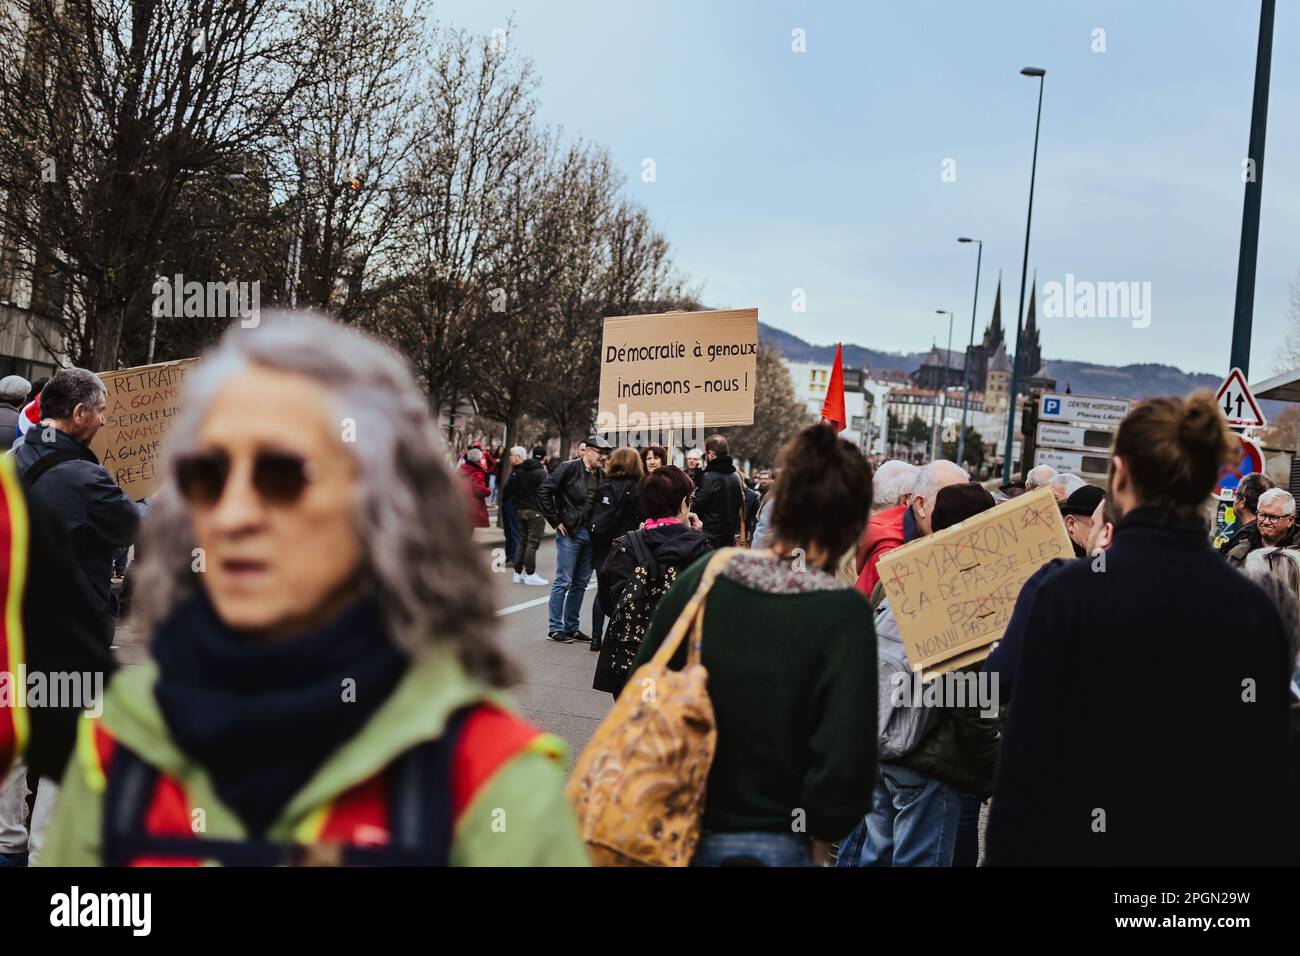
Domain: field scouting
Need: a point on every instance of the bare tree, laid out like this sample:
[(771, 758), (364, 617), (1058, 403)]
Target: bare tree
[(629, 272), (480, 136), (778, 413), (118, 106), (1288, 356), (349, 139)]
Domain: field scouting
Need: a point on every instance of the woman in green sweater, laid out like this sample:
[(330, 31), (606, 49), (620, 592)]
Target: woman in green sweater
[(790, 653)]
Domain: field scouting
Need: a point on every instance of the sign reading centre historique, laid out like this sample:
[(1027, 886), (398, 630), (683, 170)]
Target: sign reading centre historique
[(688, 367)]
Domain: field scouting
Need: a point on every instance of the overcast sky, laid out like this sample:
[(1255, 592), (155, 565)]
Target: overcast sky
[(824, 170)]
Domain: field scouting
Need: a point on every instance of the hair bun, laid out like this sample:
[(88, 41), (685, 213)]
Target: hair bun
[(1202, 428)]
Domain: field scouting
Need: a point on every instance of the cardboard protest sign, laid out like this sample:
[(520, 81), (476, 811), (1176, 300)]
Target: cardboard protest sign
[(679, 365), (953, 592), (143, 403)]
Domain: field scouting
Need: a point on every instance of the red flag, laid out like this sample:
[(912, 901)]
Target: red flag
[(833, 408)]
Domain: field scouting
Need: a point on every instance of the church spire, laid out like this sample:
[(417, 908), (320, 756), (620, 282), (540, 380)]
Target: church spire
[(1031, 328), (993, 334)]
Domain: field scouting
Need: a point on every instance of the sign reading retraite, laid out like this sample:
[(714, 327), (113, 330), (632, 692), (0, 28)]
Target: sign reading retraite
[(143, 403), (953, 592), (681, 364)]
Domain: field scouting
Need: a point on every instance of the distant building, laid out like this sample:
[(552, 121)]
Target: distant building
[(31, 291), (811, 380)]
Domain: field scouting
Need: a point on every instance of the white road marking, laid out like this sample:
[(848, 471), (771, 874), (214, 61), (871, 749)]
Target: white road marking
[(533, 603)]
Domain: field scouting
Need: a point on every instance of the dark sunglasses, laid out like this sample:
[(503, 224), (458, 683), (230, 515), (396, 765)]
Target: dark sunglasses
[(278, 477)]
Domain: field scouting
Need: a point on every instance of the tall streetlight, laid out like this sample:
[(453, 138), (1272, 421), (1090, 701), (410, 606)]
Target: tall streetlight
[(1024, 272), (965, 377), (1244, 309), (934, 432)]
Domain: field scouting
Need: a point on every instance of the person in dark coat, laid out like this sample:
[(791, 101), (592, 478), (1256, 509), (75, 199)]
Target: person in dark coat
[(521, 491), (719, 497), (13, 395), (616, 512), (64, 476), (1143, 678), (673, 542)]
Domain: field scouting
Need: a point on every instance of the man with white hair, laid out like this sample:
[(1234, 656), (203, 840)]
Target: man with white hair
[(938, 474), (1037, 477), (891, 491), (1063, 485), (1275, 517)]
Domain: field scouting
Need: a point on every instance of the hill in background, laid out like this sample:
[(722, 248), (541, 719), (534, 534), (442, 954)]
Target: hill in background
[(1083, 378)]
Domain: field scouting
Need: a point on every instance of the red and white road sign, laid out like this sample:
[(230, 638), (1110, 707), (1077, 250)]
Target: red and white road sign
[(1237, 403), (1249, 461)]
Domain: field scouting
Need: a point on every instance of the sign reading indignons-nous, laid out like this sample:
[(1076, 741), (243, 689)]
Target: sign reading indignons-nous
[(692, 366)]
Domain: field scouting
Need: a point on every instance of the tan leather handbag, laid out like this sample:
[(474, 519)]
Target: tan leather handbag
[(638, 788)]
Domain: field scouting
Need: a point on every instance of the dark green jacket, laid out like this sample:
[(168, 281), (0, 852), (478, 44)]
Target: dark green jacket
[(792, 677)]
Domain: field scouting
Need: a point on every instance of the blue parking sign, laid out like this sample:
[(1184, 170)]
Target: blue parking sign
[(1051, 406)]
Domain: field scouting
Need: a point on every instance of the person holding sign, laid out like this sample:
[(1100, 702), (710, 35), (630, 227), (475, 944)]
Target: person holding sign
[(931, 754), (1144, 674)]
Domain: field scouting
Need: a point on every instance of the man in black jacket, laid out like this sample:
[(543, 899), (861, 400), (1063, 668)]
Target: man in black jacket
[(521, 490), (567, 498), (62, 474), (718, 498)]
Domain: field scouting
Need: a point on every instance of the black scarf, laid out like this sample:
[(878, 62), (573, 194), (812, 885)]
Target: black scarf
[(261, 716)]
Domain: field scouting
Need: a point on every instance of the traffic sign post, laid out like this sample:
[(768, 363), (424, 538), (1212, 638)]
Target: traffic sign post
[(1237, 402)]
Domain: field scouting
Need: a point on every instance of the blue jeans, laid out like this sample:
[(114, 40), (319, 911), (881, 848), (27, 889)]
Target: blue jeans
[(913, 823), (753, 849), (572, 572)]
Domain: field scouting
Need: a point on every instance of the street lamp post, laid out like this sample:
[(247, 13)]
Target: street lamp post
[(943, 408), (1243, 310), (1024, 274), (965, 378)]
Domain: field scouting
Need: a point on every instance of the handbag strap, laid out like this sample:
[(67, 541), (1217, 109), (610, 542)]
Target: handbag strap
[(692, 616)]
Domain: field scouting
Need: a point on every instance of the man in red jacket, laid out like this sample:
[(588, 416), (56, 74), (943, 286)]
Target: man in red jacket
[(891, 491)]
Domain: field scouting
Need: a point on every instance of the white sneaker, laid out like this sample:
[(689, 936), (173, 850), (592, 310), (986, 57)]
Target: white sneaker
[(518, 578), (535, 578)]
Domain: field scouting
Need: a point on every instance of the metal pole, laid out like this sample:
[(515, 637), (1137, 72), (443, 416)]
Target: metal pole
[(943, 408), (965, 379), (1243, 312), (1024, 274)]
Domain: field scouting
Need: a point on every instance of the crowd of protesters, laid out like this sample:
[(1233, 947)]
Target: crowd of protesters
[(327, 598)]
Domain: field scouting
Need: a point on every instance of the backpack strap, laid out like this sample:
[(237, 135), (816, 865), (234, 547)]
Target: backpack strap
[(44, 464), (421, 816), (642, 553)]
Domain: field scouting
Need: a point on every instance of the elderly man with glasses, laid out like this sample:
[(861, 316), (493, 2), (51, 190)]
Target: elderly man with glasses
[(1275, 519), (1276, 515)]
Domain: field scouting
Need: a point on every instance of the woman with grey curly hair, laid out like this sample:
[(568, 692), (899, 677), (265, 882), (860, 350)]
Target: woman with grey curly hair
[(323, 683)]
